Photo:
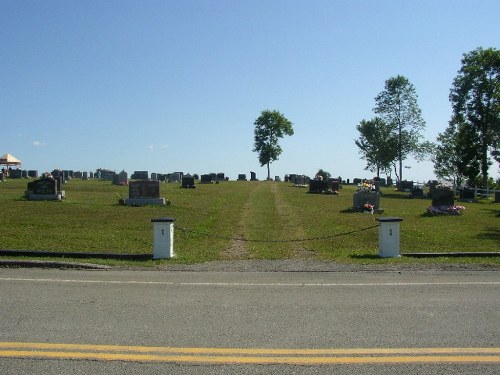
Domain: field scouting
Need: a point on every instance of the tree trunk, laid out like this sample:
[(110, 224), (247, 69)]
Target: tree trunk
[(268, 172)]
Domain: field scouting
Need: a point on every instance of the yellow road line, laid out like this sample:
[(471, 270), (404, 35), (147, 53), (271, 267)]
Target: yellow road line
[(247, 351), (326, 356)]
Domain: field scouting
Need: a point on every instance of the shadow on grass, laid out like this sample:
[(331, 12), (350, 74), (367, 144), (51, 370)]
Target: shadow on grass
[(495, 213), (395, 196), (490, 234)]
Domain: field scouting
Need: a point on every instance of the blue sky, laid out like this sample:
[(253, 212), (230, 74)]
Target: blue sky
[(176, 85)]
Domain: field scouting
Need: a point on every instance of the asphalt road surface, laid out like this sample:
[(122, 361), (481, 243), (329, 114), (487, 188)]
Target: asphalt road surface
[(157, 322)]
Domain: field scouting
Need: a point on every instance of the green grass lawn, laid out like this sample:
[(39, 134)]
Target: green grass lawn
[(275, 219)]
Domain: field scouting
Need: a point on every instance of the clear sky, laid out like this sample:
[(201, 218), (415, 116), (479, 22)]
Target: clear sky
[(166, 86)]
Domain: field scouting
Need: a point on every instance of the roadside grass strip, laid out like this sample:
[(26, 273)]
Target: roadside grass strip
[(244, 356)]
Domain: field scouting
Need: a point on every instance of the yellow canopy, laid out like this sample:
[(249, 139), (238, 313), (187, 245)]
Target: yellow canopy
[(8, 159)]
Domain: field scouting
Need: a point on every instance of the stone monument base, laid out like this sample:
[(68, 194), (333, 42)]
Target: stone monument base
[(44, 197), (144, 201)]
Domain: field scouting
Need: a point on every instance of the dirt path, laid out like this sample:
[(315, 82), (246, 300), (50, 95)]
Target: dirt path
[(239, 250)]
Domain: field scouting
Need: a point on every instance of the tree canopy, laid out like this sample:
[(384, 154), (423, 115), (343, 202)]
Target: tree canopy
[(270, 126), (377, 144), (397, 106), (475, 99)]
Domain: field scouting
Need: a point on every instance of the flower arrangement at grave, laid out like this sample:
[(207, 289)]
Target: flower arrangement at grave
[(368, 208), (446, 210), (366, 186)]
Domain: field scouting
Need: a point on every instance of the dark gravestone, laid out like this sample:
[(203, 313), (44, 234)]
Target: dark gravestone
[(144, 189), (417, 192), (253, 176), (188, 182), (497, 196), (122, 178), (206, 179), (220, 177), (33, 174), (44, 189), (466, 194), (335, 186), (443, 197), (360, 198), (405, 186), (318, 186), (16, 173), (144, 192), (242, 177), (140, 175), (301, 180)]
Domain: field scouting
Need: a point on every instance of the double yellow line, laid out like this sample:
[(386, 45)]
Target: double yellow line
[(247, 356)]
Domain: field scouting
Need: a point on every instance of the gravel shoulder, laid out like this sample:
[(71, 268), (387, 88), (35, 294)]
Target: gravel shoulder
[(291, 265)]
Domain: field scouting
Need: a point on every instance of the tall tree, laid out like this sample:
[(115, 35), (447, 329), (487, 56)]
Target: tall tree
[(455, 156), (270, 126), (377, 144), (397, 106), (475, 98)]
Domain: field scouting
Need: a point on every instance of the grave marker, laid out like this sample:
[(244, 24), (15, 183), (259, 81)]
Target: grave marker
[(45, 188), (144, 192)]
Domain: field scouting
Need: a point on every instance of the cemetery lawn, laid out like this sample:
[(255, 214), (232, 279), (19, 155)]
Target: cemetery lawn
[(237, 220)]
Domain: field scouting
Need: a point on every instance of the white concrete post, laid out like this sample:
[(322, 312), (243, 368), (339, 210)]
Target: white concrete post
[(388, 236), (163, 231)]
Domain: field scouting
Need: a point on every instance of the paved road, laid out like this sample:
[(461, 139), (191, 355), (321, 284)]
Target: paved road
[(70, 321)]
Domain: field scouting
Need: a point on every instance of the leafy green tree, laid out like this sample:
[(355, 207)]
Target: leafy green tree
[(270, 126), (397, 106), (475, 98), (455, 156), (377, 144)]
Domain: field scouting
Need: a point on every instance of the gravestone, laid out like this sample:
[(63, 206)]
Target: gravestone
[(301, 181), (206, 179), (144, 192), (33, 173), (154, 176), (120, 178), (335, 186), (406, 186), (242, 177), (497, 196), (140, 175), (389, 182), (253, 176), (220, 177), (77, 174), (174, 177), (360, 198), (85, 176), (44, 189), (318, 186), (16, 173), (188, 182), (443, 196), (277, 178), (466, 194), (417, 192)]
